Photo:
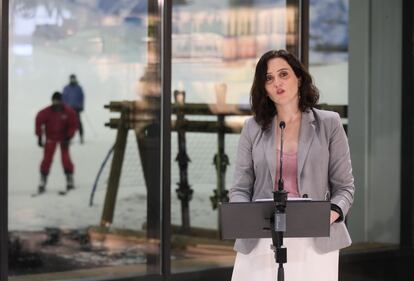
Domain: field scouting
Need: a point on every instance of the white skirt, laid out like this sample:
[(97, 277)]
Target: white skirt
[(303, 262)]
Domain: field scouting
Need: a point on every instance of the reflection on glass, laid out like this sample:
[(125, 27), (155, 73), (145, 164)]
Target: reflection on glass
[(108, 223), (215, 46), (328, 49)]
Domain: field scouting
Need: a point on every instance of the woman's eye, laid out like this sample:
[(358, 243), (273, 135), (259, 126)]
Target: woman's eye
[(283, 74), (269, 78)]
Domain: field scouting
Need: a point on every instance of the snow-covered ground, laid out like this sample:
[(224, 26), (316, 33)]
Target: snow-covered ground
[(72, 211), (30, 88)]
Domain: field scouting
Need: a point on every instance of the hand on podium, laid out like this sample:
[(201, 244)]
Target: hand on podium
[(334, 216)]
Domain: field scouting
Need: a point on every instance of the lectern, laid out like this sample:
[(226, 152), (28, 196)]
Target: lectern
[(303, 218)]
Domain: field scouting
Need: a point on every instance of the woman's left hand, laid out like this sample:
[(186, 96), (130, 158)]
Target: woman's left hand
[(334, 216)]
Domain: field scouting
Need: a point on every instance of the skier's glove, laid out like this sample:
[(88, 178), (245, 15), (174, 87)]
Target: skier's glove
[(66, 141), (40, 141)]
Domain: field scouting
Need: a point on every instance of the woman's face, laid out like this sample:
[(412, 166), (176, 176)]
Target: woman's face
[(281, 83)]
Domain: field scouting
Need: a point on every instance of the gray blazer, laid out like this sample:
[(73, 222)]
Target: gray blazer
[(324, 170)]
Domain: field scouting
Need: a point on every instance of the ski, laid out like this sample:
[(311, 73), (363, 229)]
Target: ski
[(61, 192), (36, 194), (64, 192), (40, 191)]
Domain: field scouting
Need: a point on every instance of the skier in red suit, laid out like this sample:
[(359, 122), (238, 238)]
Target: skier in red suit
[(59, 123)]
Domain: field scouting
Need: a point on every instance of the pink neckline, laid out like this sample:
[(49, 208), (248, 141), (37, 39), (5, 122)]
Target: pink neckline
[(287, 153)]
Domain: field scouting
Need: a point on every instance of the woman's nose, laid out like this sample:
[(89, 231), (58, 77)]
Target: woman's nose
[(277, 82)]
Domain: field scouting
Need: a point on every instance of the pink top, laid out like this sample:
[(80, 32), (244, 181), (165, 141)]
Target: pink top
[(290, 169)]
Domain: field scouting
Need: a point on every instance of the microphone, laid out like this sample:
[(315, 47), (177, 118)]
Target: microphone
[(279, 216), (282, 126)]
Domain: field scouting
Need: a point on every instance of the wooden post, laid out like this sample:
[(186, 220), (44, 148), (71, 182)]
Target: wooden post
[(184, 192), (116, 168)]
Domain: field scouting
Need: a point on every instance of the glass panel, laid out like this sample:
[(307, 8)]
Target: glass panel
[(96, 213), (328, 57), (215, 47), (328, 49)]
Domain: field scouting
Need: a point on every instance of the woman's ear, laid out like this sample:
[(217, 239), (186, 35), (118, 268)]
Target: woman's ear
[(299, 82)]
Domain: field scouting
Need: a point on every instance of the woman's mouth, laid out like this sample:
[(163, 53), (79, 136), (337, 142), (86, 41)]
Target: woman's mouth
[(280, 91)]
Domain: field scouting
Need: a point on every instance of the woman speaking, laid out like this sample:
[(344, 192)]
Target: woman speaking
[(317, 164)]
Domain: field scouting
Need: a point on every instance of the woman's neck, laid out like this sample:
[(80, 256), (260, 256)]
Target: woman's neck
[(288, 114)]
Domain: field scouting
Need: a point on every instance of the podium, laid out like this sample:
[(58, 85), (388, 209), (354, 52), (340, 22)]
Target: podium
[(304, 218), (300, 218)]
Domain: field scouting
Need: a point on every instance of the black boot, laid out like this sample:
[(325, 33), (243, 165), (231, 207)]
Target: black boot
[(42, 184), (69, 182)]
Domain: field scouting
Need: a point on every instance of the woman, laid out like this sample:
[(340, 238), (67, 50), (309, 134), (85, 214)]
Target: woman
[(316, 164)]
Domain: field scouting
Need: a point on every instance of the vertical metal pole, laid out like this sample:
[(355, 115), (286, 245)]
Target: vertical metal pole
[(150, 153), (149, 143), (4, 57), (221, 161), (184, 192), (304, 32), (166, 22)]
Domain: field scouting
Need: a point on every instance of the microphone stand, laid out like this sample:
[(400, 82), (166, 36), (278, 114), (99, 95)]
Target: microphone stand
[(278, 223)]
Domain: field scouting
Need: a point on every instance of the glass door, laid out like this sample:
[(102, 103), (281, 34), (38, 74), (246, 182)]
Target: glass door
[(84, 133), (215, 47)]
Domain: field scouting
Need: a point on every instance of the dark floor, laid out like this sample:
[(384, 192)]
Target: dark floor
[(386, 265)]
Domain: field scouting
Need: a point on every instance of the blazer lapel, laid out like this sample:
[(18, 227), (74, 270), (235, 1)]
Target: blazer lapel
[(306, 135), (269, 137)]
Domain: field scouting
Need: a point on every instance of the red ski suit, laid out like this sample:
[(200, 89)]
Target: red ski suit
[(59, 126)]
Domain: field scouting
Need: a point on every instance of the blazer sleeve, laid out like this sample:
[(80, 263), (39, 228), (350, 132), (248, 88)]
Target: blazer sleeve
[(243, 180), (340, 170)]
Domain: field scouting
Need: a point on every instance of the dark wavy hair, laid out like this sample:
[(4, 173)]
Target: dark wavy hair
[(262, 106)]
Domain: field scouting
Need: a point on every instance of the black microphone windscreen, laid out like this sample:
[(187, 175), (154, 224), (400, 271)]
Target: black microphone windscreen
[(282, 124)]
